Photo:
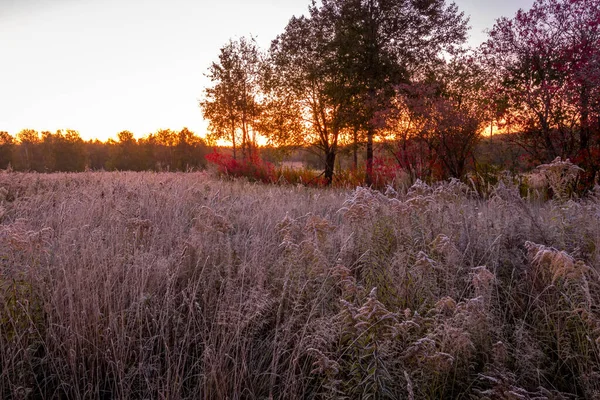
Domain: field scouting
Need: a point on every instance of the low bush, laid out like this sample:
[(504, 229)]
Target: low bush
[(251, 167)]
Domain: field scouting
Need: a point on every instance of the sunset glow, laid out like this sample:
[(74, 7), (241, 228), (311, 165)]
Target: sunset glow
[(101, 67)]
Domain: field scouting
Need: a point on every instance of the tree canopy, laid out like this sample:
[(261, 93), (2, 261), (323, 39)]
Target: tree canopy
[(332, 73), (547, 61), (231, 105)]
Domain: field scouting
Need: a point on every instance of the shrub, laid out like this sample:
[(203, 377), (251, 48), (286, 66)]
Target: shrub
[(252, 167)]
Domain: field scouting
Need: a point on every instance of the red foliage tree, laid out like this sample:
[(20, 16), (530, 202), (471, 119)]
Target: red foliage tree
[(436, 123), (547, 60)]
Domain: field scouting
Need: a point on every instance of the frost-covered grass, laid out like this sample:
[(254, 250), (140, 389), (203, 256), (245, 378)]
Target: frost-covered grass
[(157, 285)]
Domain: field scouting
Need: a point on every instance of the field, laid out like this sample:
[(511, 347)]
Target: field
[(179, 285)]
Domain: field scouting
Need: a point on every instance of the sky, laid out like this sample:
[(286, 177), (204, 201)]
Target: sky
[(103, 66)]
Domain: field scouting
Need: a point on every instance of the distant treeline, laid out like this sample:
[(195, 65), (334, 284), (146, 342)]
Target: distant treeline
[(165, 150)]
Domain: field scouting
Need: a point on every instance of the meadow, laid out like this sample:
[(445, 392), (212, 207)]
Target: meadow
[(140, 285)]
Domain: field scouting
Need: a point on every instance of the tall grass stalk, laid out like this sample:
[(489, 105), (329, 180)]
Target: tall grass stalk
[(181, 286)]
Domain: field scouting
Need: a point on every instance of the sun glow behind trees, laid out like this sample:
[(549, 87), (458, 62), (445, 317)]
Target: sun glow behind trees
[(330, 72), (100, 67)]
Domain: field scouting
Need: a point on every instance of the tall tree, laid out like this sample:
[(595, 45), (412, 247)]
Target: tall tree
[(383, 43), (231, 105), (304, 88)]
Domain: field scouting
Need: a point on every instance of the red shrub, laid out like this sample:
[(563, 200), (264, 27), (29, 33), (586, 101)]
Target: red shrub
[(385, 171), (254, 168)]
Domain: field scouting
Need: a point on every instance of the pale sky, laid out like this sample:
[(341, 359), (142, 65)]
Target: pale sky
[(103, 66)]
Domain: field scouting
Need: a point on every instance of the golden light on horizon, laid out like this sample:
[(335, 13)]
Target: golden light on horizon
[(103, 67)]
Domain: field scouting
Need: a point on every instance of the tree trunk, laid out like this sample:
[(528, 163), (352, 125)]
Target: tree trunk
[(551, 153), (329, 166), (244, 143), (584, 137), (233, 141), (355, 149), (28, 162), (369, 176)]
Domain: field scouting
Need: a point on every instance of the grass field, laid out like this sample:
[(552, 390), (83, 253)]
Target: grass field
[(173, 286)]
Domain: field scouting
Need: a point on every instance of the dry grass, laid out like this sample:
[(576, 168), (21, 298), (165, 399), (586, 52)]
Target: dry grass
[(172, 286)]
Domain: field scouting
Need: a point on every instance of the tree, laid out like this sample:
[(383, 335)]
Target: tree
[(231, 105), (383, 43), (546, 60), (450, 133), (6, 149), (190, 150), (164, 145), (124, 153), (28, 155), (98, 154), (71, 154), (579, 24), (458, 112), (435, 123), (304, 87), (63, 151)]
